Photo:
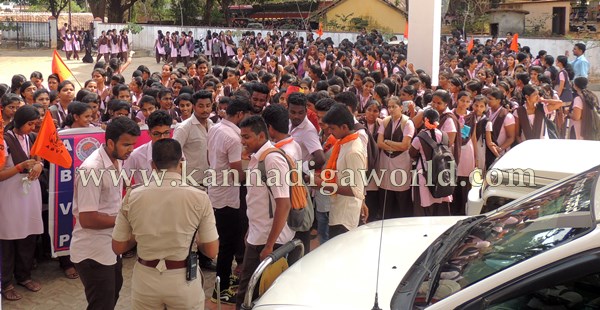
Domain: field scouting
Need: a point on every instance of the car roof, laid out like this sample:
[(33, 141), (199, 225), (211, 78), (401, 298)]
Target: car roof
[(552, 157)]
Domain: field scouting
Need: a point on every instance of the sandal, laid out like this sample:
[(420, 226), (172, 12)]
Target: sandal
[(71, 273), (11, 294), (31, 285)]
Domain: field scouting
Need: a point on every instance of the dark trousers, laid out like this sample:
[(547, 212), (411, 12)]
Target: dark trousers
[(102, 283), (336, 230), (396, 204), (228, 227), (239, 255), (17, 259), (460, 196), (374, 206), (251, 262)]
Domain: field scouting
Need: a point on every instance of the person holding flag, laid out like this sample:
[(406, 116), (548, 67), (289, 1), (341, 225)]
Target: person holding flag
[(21, 204)]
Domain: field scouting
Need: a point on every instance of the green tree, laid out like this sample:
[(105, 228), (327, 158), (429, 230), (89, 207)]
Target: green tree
[(186, 12)]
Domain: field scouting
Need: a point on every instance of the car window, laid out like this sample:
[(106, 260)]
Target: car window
[(518, 232), (582, 293)]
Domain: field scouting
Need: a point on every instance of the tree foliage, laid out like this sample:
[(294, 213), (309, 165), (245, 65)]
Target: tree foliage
[(113, 9), (470, 15)]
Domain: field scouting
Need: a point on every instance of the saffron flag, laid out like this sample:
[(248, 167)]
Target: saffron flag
[(406, 32), (2, 155), (320, 31), (514, 44), (49, 146), (293, 89), (60, 68), (471, 45)]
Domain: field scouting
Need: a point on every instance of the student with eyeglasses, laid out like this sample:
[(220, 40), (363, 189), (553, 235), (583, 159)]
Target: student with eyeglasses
[(140, 161)]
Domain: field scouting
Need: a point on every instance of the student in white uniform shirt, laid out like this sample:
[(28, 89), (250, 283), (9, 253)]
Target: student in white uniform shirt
[(304, 132), (225, 154), (95, 208), (265, 234), (276, 117), (140, 161), (193, 136)]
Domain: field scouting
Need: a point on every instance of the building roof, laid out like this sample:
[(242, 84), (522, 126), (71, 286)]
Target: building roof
[(401, 7), (79, 20)]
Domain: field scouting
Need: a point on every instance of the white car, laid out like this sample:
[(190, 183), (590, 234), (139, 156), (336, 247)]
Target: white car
[(528, 166), (541, 251)]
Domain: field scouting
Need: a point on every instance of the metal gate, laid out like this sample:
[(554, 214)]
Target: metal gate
[(24, 34)]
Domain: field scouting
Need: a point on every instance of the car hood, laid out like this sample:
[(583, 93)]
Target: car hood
[(342, 273)]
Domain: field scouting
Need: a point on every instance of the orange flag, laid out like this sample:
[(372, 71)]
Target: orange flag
[(514, 44), (59, 67), (49, 146), (2, 155), (471, 45), (406, 32), (320, 31)]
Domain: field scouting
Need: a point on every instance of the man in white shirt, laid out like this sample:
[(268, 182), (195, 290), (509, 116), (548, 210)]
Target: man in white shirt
[(95, 208), (347, 160), (304, 132), (276, 118), (193, 137), (139, 164), (265, 233), (225, 157)]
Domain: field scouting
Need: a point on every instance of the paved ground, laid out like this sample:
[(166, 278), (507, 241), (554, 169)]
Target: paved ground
[(60, 293)]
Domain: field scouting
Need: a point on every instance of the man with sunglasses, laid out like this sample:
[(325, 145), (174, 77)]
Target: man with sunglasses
[(140, 161)]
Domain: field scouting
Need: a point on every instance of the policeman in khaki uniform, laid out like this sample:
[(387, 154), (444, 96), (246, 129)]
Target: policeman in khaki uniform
[(161, 219)]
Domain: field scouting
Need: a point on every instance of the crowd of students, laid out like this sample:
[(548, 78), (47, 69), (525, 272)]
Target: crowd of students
[(339, 108)]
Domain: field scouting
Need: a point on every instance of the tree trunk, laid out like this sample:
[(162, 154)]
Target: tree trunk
[(207, 18), (116, 10), (98, 8), (225, 7)]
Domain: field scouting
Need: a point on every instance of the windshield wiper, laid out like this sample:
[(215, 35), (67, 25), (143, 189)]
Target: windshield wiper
[(448, 244), (405, 293)]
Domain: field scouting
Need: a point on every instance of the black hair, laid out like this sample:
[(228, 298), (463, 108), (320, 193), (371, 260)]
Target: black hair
[(201, 94), (166, 153), (159, 118), (148, 99), (64, 83), (297, 99), (324, 104), (82, 93), (238, 104), (339, 115), (444, 95), (581, 46), (24, 114), (38, 92), (16, 82), (10, 98), (75, 108), (117, 105), (163, 91), (349, 99), (120, 126), (277, 117), (184, 96), (91, 97), (256, 124)]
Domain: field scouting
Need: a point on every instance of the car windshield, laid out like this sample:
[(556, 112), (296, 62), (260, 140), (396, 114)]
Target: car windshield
[(514, 234)]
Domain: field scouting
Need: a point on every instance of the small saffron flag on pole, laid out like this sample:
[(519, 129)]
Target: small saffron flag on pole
[(320, 31), (60, 68), (49, 146), (406, 32), (514, 44), (2, 155), (471, 45)]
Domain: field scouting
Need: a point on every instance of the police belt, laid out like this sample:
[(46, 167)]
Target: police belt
[(170, 264)]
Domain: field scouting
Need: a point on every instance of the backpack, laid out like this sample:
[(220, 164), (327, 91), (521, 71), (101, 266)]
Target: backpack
[(442, 166), (372, 149), (301, 214)]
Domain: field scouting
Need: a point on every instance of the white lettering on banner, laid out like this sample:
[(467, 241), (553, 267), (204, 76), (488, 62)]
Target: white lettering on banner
[(67, 144), (65, 176), (65, 209), (62, 239)]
